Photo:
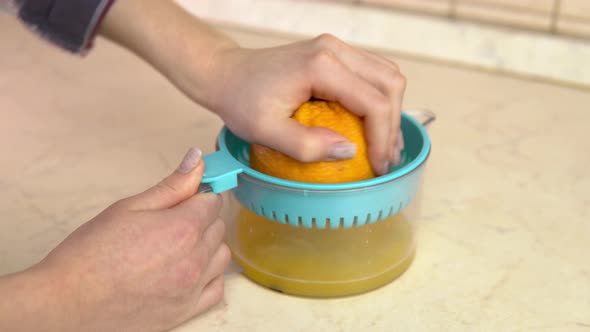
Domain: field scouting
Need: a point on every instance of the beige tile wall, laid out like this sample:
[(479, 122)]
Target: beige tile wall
[(567, 17), (428, 6), (574, 18), (526, 14), (575, 8)]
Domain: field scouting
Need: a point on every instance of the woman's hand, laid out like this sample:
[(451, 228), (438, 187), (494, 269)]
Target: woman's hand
[(146, 263), (255, 91)]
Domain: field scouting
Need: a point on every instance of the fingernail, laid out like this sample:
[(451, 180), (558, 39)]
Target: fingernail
[(339, 151), (191, 159), (397, 156), (385, 168)]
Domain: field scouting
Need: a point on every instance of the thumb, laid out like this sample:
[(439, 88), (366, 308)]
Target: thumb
[(309, 144), (174, 189)]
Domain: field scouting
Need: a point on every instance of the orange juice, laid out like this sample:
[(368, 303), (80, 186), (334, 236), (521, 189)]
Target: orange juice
[(322, 262)]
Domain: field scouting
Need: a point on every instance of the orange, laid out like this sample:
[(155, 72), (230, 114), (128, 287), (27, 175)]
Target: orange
[(329, 115)]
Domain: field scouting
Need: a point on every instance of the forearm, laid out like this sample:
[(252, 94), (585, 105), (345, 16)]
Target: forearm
[(177, 44), (32, 301)]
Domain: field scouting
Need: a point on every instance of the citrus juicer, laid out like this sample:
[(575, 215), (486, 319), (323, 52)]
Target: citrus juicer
[(309, 205), (320, 240)]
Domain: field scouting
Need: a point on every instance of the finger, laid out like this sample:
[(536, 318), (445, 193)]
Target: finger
[(312, 143), (175, 188), (382, 60), (373, 68), (393, 84), (328, 76), (396, 94), (399, 143), (211, 295), (218, 263), (396, 150), (212, 238), (202, 209), (399, 88), (384, 75), (378, 135), (206, 247), (381, 73)]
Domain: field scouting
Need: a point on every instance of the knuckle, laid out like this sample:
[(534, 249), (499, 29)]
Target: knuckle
[(322, 58), (222, 227), (214, 208), (200, 264), (391, 75), (225, 254), (207, 207), (185, 233), (305, 150), (400, 80), (326, 40), (164, 188), (119, 205), (395, 66), (218, 292), (380, 152), (187, 274), (382, 106)]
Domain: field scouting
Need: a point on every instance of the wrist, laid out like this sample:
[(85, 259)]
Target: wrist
[(203, 80), (35, 300)]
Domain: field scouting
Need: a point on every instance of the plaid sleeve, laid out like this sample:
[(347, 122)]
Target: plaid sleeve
[(70, 24), (10, 6)]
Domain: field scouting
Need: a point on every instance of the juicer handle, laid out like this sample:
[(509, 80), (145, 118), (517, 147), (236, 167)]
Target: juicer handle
[(221, 172), (423, 115)]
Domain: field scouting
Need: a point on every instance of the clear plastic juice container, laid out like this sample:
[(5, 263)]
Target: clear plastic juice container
[(320, 262)]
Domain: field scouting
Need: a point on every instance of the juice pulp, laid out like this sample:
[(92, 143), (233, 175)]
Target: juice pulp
[(322, 262)]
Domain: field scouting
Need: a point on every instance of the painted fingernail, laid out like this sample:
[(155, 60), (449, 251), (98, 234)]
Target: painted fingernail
[(339, 151), (393, 152), (386, 168), (191, 160), (397, 156)]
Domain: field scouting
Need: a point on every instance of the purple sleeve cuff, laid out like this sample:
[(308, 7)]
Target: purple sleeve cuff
[(70, 24)]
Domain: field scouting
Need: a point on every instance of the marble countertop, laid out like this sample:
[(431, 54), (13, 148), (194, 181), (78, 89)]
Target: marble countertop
[(504, 232)]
